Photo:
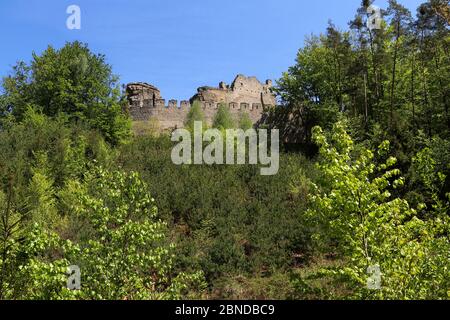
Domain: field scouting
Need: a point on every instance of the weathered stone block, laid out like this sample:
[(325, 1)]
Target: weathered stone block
[(185, 104), (160, 103), (173, 104)]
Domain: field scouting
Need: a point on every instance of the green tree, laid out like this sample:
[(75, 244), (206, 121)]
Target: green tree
[(433, 85), (400, 24), (4, 106), (245, 122), (195, 114), (223, 119), (73, 81), (369, 226), (11, 232), (312, 90)]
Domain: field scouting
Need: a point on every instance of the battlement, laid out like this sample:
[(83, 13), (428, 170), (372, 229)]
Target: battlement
[(186, 105), (243, 95)]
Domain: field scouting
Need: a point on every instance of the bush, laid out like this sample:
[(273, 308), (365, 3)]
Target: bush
[(227, 220), (368, 226)]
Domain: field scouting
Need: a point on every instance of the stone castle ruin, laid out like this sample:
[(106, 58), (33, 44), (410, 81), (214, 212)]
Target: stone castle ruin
[(245, 94)]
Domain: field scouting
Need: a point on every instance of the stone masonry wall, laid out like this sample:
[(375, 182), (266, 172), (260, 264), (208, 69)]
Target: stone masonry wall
[(244, 95)]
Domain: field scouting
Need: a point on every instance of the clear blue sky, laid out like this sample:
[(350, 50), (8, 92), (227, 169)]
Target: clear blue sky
[(177, 45)]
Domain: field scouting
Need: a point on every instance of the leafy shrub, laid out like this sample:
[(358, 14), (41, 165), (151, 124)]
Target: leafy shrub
[(369, 226)]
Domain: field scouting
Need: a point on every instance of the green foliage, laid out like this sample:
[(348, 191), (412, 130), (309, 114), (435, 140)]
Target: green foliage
[(228, 220), (395, 77), (10, 235), (277, 286), (245, 123), (50, 146), (40, 275), (388, 84), (195, 114), (309, 89), (60, 207), (42, 205), (114, 236), (4, 106), (223, 119), (73, 81), (71, 195), (123, 249), (369, 226), (149, 127)]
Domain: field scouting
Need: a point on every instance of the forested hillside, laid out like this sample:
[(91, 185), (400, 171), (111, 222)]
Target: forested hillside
[(363, 185)]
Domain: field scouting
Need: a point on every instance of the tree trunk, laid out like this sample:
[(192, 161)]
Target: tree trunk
[(394, 66), (413, 98)]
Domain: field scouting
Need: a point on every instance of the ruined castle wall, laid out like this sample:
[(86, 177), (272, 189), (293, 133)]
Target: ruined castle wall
[(243, 90), (245, 95), (173, 115), (168, 116)]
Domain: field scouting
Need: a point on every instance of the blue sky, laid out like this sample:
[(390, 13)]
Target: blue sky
[(177, 45)]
